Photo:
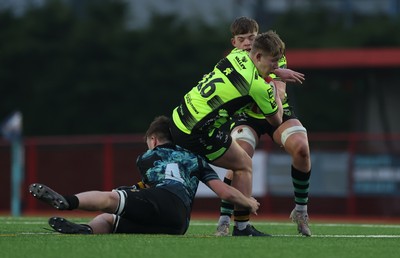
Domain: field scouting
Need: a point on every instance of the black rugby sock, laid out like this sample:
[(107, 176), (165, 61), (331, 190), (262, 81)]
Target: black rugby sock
[(73, 202)]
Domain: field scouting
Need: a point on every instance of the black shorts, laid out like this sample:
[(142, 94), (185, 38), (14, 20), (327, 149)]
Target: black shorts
[(151, 211), (261, 126), (211, 145)]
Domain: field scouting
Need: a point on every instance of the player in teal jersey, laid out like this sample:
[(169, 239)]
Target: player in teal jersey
[(250, 125), (199, 122), (171, 175)]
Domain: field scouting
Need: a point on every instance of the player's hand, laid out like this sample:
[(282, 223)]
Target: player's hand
[(288, 75), (254, 205)]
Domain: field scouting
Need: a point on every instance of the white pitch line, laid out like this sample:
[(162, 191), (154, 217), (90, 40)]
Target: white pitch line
[(313, 236), (344, 236), (25, 222), (197, 223)]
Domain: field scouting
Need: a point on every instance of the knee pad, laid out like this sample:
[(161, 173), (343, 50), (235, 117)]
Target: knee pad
[(292, 130), (244, 134)]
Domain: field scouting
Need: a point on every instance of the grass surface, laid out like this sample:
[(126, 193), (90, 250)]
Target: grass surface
[(27, 237)]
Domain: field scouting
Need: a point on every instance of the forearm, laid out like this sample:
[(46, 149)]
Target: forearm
[(236, 197), (232, 195), (276, 119), (288, 75), (279, 104)]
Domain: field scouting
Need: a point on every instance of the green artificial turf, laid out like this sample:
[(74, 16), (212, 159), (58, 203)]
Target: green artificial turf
[(27, 237)]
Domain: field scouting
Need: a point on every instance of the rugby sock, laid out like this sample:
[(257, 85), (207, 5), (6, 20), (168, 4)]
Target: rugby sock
[(301, 186), (226, 208), (73, 201), (241, 219)]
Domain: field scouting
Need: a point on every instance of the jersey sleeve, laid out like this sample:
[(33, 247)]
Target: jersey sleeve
[(206, 172), (263, 95)]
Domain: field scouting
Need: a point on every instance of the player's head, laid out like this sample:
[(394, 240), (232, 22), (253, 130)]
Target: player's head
[(266, 51), (158, 132), (244, 31)]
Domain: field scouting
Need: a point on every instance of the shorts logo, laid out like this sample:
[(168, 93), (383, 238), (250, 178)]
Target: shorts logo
[(219, 135)]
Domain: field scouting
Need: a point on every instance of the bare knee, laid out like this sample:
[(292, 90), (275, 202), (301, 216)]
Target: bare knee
[(297, 146), (102, 224)]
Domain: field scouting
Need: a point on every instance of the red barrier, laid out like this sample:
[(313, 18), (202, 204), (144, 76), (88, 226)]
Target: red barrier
[(77, 163)]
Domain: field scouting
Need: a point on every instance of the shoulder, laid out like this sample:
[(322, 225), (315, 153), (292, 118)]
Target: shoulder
[(240, 63)]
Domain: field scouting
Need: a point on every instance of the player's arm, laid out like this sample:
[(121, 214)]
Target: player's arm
[(270, 105), (232, 195), (282, 73), (276, 119), (280, 86), (288, 75)]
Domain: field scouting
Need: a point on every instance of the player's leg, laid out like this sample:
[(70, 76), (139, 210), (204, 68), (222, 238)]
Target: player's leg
[(101, 224), (89, 201), (293, 137), (236, 159), (98, 201), (239, 161), (247, 139), (226, 210), (64, 226)]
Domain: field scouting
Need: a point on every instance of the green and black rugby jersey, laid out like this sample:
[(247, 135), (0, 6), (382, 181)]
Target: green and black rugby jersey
[(232, 85), (252, 110)]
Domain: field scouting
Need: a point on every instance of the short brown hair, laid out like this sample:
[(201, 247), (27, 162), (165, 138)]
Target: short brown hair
[(269, 42), (159, 128), (243, 25)]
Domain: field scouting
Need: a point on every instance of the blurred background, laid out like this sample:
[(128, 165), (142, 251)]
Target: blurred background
[(86, 78)]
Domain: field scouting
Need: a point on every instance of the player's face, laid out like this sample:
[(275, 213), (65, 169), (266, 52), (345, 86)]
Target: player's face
[(266, 64), (244, 41)]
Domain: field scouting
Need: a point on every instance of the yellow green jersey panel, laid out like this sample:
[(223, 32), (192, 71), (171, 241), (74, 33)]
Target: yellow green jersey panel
[(233, 83)]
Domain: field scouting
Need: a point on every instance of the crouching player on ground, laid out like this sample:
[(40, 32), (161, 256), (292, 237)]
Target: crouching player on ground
[(172, 175)]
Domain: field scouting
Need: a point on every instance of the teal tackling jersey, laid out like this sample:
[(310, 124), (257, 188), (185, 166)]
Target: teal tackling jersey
[(175, 169), (233, 84)]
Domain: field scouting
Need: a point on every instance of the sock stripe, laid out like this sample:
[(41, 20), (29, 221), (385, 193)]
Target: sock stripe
[(300, 182), (301, 191), (241, 216)]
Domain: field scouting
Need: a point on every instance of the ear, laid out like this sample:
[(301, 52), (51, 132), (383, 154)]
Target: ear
[(258, 56), (155, 141), (233, 41)]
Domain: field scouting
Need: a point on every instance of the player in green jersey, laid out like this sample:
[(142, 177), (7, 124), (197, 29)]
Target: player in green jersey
[(250, 125), (171, 175), (201, 121)]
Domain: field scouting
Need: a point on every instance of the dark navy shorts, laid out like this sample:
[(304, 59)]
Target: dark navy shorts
[(151, 211)]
